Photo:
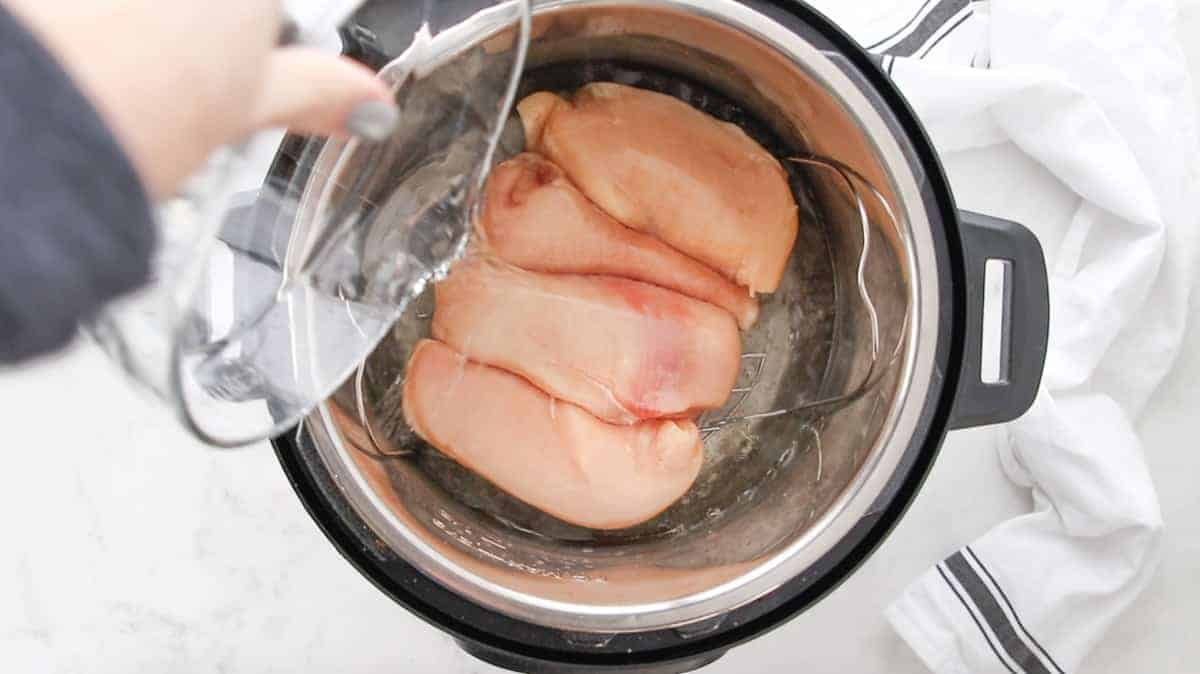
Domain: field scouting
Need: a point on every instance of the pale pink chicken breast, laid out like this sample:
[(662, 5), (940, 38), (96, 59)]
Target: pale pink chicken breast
[(534, 218), (660, 166), (550, 454), (623, 350)]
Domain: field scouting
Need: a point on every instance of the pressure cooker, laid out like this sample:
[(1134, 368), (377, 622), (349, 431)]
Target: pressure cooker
[(872, 350)]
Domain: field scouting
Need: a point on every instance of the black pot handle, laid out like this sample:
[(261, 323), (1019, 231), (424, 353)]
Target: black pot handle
[(1025, 326)]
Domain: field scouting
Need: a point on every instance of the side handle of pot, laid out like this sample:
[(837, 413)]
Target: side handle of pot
[(1019, 275)]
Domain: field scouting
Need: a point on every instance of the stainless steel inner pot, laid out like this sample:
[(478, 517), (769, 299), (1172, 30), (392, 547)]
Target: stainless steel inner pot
[(775, 494)]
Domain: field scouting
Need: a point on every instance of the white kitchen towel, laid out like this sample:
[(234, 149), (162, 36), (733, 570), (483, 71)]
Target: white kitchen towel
[(1094, 94)]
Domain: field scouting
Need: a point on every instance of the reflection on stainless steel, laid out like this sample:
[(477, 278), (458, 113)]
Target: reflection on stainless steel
[(776, 493), (375, 447)]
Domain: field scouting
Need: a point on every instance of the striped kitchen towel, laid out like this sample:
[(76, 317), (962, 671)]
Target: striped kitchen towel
[(1096, 92)]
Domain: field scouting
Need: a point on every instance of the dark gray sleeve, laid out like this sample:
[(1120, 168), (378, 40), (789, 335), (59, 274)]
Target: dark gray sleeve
[(76, 229)]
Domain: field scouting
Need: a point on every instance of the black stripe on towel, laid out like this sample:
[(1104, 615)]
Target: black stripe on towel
[(993, 615), (1011, 609), (961, 20), (908, 25), (939, 16), (967, 607)]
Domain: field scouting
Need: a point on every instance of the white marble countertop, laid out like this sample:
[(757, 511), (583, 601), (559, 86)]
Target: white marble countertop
[(128, 548)]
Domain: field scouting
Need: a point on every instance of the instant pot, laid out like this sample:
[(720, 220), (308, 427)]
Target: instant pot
[(872, 350)]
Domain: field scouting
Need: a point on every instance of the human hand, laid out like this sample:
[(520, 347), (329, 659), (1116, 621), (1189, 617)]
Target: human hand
[(176, 80)]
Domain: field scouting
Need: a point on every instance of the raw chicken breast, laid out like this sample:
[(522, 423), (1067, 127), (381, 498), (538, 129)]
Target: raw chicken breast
[(534, 218), (622, 350), (552, 455), (662, 167)]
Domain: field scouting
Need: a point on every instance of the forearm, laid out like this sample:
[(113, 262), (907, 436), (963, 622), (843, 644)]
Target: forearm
[(75, 228)]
